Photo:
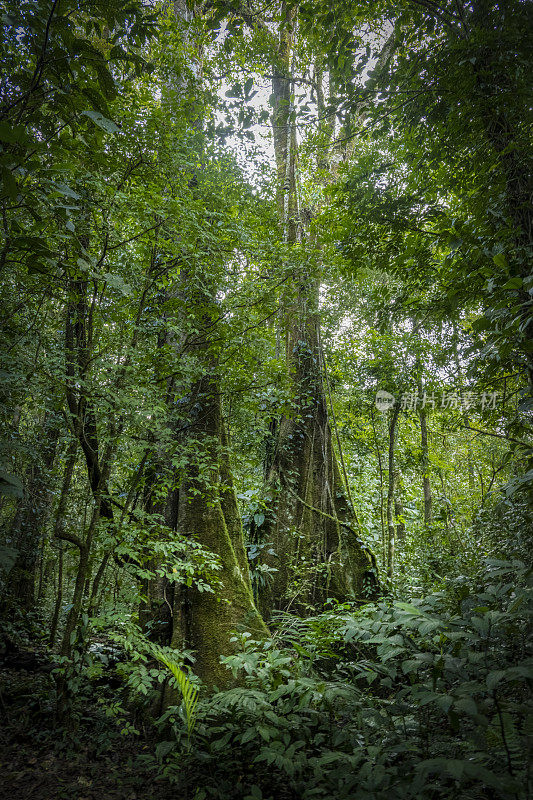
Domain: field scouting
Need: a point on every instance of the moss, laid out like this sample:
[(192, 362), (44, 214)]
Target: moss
[(203, 621), (230, 509), (214, 617), (312, 527)]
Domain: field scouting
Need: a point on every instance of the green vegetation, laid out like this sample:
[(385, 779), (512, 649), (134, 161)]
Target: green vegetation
[(266, 461)]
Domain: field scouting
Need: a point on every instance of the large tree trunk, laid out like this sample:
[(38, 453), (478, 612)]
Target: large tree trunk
[(59, 526), (466, 420), (312, 527), (208, 513), (318, 551), (398, 507), (426, 482), (203, 506)]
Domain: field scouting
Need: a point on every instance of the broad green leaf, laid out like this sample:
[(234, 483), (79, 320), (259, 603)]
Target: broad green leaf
[(106, 124)]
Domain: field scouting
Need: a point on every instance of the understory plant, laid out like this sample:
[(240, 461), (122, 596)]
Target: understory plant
[(429, 699)]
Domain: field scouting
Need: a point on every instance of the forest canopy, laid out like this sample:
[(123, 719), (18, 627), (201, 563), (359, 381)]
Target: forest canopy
[(266, 462)]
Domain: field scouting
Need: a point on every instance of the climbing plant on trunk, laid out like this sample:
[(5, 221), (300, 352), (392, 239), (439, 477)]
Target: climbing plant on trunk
[(317, 549), (200, 502)]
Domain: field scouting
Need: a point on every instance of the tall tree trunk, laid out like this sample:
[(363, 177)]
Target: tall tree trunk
[(466, 419), (398, 507), (28, 525), (59, 527), (203, 507), (426, 481), (390, 493), (318, 550), (380, 470), (208, 513), (58, 598)]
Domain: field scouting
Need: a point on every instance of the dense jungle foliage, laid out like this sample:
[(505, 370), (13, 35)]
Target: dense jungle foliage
[(266, 463)]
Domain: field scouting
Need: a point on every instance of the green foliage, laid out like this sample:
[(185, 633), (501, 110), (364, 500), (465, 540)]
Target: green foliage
[(426, 699), (188, 690), (142, 260)]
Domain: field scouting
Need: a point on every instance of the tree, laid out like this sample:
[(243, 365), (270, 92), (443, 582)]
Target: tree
[(200, 501), (310, 521)]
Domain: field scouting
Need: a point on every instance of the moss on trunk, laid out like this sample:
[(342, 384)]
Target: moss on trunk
[(204, 508), (318, 552)]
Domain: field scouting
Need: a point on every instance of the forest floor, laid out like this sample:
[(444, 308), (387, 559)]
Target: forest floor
[(90, 760)]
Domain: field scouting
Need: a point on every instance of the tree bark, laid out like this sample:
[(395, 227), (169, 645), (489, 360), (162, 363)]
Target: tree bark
[(380, 470), (466, 421), (398, 507), (318, 551), (426, 482), (203, 506), (27, 528), (390, 493), (207, 512), (59, 525)]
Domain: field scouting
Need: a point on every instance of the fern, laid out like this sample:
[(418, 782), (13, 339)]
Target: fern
[(189, 692), (240, 699)]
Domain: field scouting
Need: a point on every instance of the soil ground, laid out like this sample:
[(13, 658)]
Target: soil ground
[(88, 760)]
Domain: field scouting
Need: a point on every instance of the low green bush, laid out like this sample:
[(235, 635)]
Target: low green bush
[(423, 700)]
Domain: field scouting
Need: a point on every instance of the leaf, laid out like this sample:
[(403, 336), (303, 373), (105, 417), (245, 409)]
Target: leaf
[(520, 671), (163, 749), (444, 702), (105, 79), (117, 283), (10, 485), (410, 609), (13, 135), (494, 677), (9, 183), (8, 556), (235, 91), (429, 626), (188, 691), (248, 735), (102, 122), (67, 191), (467, 705), (500, 260)]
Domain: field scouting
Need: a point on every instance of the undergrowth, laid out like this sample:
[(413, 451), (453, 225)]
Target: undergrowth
[(424, 700), (427, 700)]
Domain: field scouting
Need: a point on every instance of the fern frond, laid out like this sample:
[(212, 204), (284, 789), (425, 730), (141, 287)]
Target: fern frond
[(189, 691)]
